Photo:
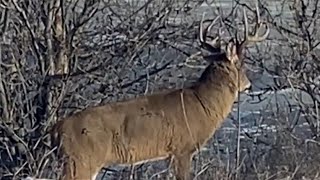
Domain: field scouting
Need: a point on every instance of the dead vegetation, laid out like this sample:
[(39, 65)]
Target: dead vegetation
[(60, 57), (172, 125)]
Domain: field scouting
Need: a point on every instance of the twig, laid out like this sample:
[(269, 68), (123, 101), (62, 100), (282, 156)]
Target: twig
[(126, 85)]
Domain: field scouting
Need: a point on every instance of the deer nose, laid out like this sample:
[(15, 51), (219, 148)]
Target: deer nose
[(248, 89)]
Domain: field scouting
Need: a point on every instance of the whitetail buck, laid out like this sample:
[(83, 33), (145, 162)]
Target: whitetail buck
[(172, 124)]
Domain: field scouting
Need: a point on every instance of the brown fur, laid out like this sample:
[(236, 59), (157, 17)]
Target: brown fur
[(172, 124), (150, 126)]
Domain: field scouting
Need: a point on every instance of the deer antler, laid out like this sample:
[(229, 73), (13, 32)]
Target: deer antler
[(254, 36), (210, 47), (214, 45)]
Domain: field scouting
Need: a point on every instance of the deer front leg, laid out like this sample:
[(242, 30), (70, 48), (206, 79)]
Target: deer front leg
[(181, 165)]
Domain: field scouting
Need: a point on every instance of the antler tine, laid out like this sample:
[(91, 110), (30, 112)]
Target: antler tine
[(201, 29), (212, 45), (257, 12), (257, 29), (255, 37)]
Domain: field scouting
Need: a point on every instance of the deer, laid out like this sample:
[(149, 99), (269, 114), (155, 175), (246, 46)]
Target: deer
[(172, 124)]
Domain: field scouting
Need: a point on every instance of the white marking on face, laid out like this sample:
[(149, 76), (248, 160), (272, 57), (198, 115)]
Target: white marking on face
[(94, 176)]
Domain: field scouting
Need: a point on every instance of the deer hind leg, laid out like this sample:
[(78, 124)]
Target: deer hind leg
[(78, 170), (181, 165)]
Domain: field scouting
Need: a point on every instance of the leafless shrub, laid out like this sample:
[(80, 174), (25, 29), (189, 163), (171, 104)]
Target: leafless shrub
[(56, 55)]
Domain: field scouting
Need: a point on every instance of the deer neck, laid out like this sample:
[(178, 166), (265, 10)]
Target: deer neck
[(216, 98)]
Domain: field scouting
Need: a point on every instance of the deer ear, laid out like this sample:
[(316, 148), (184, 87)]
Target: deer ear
[(232, 54), (211, 51)]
